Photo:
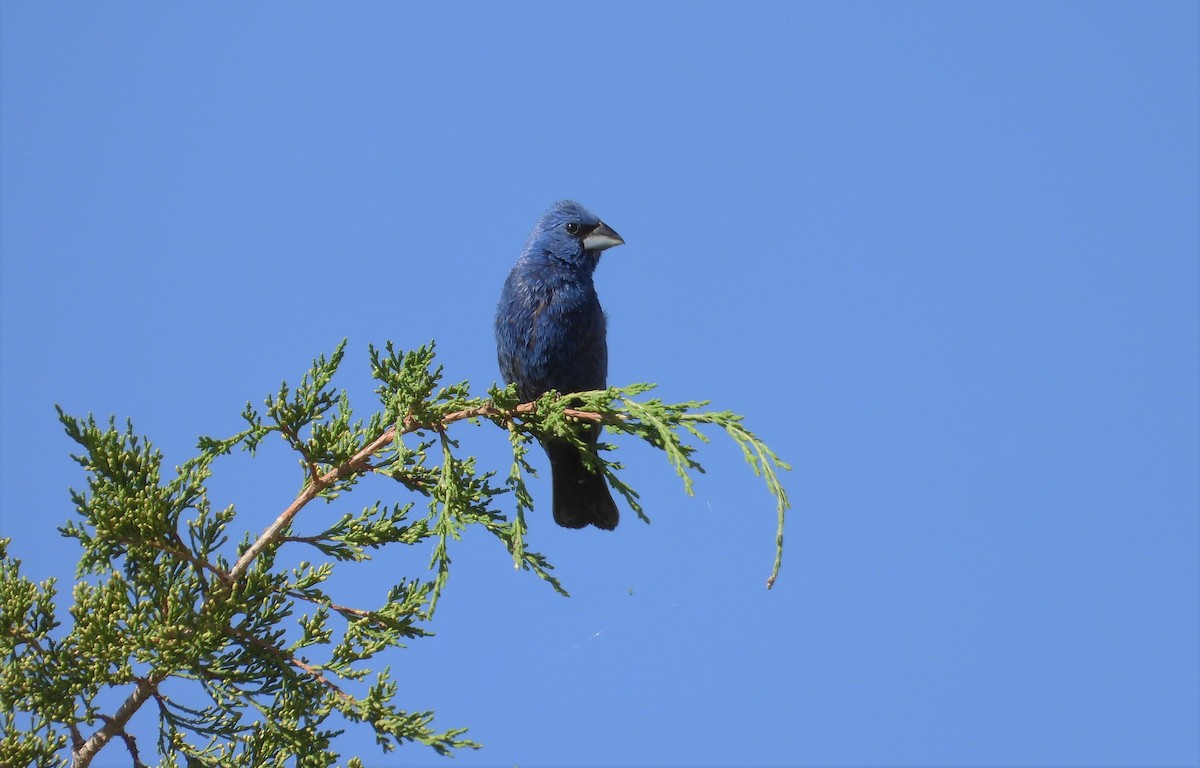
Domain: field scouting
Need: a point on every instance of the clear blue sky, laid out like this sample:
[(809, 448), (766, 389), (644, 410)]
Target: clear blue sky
[(943, 256)]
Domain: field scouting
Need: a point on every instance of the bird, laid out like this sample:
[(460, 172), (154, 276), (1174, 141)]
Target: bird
[(551, 334)]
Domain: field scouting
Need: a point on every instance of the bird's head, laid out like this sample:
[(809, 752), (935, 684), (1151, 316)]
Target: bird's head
[(570, 233)]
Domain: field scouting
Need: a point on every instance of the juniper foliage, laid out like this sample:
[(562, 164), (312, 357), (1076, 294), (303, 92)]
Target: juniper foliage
[(246, 662)]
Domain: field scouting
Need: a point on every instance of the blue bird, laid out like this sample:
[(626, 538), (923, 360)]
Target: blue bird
[(550, 334)]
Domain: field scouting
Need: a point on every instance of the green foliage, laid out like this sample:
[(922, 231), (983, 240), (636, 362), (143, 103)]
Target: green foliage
[(247, 662)]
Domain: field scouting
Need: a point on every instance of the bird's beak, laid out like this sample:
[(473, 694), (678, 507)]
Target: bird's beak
[(601, 237)]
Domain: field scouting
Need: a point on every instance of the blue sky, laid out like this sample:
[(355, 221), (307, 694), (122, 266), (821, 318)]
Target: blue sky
[(942, 256)]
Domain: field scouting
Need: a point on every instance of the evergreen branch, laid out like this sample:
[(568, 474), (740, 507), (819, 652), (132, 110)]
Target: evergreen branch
[(115, 725), (130, 743), (342, 609), (287, 658), (360, 463), (182, 553), (164, 595), (274, 532)]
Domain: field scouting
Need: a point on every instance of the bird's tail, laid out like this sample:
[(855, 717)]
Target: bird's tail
[(581, 497)]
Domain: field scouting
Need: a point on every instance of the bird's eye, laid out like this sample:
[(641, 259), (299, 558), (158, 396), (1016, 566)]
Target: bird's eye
[(572, 228)]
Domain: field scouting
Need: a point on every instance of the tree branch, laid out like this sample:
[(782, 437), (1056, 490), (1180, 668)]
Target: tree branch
[(130, 744), (288, 658), (359, 462), (342, 609), (115, 725), (274, 531), (83, 752)]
